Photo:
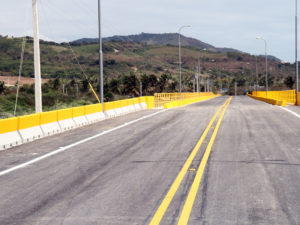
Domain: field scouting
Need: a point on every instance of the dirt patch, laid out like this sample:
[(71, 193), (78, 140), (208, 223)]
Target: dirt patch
[(12, 80)]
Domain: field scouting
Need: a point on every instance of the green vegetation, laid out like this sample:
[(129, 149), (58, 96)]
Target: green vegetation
[(126, 66)]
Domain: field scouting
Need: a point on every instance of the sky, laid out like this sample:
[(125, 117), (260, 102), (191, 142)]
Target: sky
[(222, 23)]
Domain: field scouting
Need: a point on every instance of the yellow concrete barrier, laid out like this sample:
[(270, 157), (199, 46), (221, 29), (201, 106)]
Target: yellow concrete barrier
[(136, 101), (78, 111), (48, 123), (23, 122), (9, 125), (289, 96), (64, 114), (142, 99), (130, 102), (109, 106), (91, 109), (48, 117), (269, 100), (150, 102), (29, 121), (298, 103)]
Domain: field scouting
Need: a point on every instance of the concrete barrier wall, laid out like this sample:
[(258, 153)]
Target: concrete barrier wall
[(9, 135), (150, 102), (298, 103), (29, 127), (48, 123), (18, 130), (288, 96), (269, 100)]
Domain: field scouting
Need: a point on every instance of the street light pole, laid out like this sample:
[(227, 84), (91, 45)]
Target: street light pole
[(100, 56), (267, 86), (197, 78), (37, 60), (256, 72), (199, 66), (296, 52), (179, 46)]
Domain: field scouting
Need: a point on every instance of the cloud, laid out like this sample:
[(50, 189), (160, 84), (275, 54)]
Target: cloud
[(230, 23)]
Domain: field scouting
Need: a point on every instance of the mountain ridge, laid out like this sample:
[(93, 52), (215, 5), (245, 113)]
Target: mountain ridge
[(164, 40), (159, 39)]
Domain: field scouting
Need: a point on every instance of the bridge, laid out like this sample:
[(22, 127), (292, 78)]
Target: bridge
[(172, 158), (199, 160)]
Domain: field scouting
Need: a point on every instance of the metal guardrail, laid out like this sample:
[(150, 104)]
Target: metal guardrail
[(289, 95), (161, 98)]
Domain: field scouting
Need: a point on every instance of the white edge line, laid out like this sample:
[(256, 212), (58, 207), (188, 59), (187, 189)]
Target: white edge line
[(62, 149), (290, 111)]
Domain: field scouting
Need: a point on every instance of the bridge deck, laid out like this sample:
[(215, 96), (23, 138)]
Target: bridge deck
[(122, 177)]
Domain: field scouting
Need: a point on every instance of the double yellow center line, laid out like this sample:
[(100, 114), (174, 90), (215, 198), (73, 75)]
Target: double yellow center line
[(194, 188)]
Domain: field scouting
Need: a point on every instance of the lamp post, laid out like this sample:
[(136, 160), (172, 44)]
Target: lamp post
[(199, 64), (100, 55), (179, 46), (251, 79), (37, 59), (256, 72), (267, 86), (296, 52)]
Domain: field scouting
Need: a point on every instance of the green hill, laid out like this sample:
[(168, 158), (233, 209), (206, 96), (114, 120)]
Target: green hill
[(126, 64)]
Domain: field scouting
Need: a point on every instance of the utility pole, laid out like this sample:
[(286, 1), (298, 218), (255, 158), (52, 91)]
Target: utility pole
[(256, 72), (77, 90), (235, 88), (194, 84), (221, 86), (267, 86), (141, 88), (296, 52), (207, 85), (199, 74), (100, 56), (37, 59), (197, 78), (179, 50)]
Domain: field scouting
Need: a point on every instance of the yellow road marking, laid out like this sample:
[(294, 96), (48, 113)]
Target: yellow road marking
[(168, 198), (185, 214)]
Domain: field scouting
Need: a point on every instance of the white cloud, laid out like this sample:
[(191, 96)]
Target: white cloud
[(230, 23)]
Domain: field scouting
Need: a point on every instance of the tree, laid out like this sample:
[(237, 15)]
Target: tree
[(289, 82), (163, 80), (72, 83), (114, 86), (130, 84), (56, 83), (2, 87), (85, 85)]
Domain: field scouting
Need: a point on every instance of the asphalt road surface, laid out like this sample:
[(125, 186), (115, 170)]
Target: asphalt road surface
[(120, 172)]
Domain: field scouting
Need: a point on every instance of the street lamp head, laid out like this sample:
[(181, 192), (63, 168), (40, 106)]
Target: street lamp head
[(184, 26)]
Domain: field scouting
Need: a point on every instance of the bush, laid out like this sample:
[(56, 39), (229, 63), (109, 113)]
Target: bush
[(289, 82), (2, 87)]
